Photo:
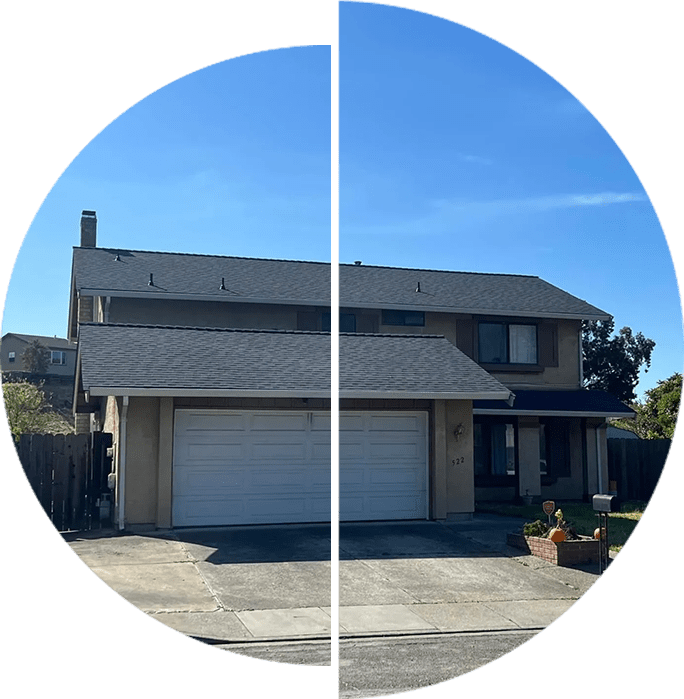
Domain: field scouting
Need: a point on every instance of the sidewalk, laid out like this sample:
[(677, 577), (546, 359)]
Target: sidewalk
[(230, 586)]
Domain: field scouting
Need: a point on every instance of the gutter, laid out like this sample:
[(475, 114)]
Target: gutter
[(294, 392), (121, 469)]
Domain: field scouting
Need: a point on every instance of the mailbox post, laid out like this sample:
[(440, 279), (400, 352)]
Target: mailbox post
[(603, 504)]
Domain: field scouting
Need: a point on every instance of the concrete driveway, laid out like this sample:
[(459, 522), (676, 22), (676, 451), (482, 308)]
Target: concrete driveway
[(240, 584)]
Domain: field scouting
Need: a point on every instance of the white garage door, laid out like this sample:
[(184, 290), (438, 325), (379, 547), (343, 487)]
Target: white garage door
[(383, 465), (258, 467), (261, 467)]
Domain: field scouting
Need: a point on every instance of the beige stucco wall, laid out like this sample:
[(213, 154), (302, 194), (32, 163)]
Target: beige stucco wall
[(204, 314), (460, 480), (142, 453)]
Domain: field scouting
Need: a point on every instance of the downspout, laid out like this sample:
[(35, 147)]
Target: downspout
[(121, 470), (599, 465)]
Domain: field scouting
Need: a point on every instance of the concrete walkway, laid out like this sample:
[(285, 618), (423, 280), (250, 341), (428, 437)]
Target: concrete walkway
[(242, 584)]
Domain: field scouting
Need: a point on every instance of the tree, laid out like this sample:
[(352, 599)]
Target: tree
[(657, 415), (35, 358), (29, 412), (612, 364)]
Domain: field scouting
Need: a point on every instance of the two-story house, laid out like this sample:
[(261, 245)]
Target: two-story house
[(61, 354), (213, 374)]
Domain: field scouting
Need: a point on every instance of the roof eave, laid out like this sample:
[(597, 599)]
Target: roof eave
[(344, 303), (150, 391)]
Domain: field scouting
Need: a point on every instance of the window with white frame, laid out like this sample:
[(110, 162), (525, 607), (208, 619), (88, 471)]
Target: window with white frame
[(507, 343), (11, 356), (57, 357)]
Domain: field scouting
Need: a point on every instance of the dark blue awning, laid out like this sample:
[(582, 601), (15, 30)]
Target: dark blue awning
[(557, 403)]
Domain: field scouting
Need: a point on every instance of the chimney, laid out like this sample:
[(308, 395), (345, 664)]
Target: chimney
[(88, 229)]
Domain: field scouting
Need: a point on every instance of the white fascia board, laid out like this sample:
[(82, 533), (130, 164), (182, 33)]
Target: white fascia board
[(552, 413), (343, 304), (304, 393)]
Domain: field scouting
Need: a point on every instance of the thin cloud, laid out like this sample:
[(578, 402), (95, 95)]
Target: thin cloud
[(477, 159), (445, 214), (546, 203)]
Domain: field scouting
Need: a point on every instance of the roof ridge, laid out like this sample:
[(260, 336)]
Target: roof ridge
[(441, 271), (200, 254)]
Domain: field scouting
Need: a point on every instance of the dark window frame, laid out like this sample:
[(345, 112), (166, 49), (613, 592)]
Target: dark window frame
[(61, 357), (507, 325), (491, 480), (558, 451), (347, 322), (400, 318)]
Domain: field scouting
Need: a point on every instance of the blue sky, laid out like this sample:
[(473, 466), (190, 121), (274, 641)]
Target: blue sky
[(230, 160), (455, 153)]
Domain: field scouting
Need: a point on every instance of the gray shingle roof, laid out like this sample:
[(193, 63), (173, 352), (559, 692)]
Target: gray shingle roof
[(130, 359), (308, 283)]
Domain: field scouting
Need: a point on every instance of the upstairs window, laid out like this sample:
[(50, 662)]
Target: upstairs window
[(412, 318), (11, 356), (57, 357), (507, 343), (347, 322)]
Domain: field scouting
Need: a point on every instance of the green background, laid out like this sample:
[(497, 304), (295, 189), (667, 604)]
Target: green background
[(71, 67)]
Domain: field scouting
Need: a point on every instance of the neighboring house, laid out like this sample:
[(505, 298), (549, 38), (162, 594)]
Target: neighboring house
[(61, 354), (58, 380), (213, 375)]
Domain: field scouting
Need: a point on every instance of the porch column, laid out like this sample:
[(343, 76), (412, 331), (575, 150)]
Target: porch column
[(438, 470)]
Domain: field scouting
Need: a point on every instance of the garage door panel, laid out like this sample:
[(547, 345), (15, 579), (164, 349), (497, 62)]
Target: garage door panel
[(220, 451), (278, 422), (195, 422), (395, 423), (352, 422), (279, 451), (321, 452)]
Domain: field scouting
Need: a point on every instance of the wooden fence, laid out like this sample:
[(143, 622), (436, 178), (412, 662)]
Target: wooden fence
[(635, 465), (68, 474)]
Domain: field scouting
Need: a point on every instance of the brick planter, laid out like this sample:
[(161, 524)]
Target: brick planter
[(562, 553)]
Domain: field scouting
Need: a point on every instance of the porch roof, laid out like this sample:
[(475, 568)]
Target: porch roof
[(582, 403)]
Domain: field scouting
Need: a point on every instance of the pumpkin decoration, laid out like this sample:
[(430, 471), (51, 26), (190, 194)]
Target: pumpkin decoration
[(600, 532), (557, 535)]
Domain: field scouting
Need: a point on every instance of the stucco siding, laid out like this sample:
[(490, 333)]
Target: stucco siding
[(460, 481), (203, 314), (142, 454)]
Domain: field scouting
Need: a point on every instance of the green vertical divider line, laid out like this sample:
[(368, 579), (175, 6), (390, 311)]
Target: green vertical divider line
[(334, 377)]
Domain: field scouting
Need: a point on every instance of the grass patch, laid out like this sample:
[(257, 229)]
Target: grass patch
[(580, 515)]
